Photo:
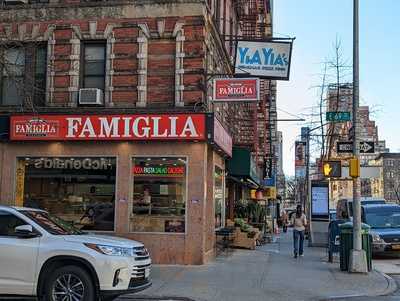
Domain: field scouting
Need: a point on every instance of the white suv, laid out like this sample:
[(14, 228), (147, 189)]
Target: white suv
[(41, 255)]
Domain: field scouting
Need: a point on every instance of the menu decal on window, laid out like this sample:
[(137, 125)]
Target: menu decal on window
[(159, 170)]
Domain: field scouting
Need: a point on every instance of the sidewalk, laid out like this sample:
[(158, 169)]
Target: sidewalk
[(269, 273)]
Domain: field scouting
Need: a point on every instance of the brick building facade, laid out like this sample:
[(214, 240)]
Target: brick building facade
[(149, 60)]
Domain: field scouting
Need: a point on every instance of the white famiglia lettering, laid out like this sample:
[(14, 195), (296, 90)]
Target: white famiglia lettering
[(130, 127), (173, 133), (87, 128), (190, 128), (145, 129), (127, 121), (107, 127), (73, 124), (156, 128)]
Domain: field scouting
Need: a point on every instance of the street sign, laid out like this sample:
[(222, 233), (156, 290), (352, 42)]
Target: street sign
[(304, 133), (267, 168), (344, 147), (367, 147), (338, 116), (332, 169)]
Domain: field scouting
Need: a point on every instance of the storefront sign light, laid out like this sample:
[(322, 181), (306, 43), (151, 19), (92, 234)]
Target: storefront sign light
[(109, 127), (159, 170)]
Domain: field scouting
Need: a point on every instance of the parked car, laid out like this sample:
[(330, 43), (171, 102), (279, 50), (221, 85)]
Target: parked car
[(44, 256), (344, 208), (384, 220), (332, 215)]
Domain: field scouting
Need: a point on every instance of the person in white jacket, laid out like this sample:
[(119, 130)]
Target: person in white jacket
[(299, 222)]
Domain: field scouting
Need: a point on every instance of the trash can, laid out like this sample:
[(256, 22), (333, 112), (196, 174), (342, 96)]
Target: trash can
[(334, 238), (346, 244)]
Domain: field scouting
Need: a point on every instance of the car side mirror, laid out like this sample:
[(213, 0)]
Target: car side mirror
[(25, 231)]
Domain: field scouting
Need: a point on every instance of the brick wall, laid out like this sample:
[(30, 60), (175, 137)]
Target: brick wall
[(122, 37)]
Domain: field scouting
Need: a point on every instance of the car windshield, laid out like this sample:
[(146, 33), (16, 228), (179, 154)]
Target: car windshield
[(383, 218), (51, 223)]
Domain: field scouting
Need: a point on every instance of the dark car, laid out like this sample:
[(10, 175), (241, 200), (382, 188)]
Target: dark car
[(384, 220), (332, 215), (344, 209)]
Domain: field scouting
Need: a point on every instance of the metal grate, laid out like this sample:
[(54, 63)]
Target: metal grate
[(139, 272)]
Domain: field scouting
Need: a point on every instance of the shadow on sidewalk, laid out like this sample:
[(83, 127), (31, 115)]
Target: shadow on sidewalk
[(268, 273)]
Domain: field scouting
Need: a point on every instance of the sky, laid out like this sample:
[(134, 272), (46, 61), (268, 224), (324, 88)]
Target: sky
[(316, 24)]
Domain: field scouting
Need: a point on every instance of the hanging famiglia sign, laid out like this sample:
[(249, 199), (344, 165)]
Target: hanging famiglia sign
[(236, 89)]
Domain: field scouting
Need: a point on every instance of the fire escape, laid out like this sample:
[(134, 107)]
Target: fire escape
[(257, 122)]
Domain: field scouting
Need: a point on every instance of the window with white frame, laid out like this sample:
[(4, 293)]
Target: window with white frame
[(12, 81), (94, 65)]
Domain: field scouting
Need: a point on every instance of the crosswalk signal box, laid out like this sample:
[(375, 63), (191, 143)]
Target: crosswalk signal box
[(332, 169)]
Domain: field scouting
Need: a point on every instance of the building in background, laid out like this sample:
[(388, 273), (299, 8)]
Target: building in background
[(340, 99), (390, 163), (112, 124)]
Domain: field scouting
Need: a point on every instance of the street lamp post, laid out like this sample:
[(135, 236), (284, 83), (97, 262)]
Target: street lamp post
[(358, 258)]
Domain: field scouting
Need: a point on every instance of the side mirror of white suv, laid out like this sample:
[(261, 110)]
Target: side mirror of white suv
[(25, 231)]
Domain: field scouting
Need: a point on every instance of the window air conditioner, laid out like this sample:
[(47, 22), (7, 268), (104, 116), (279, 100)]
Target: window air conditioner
[(90, 96)]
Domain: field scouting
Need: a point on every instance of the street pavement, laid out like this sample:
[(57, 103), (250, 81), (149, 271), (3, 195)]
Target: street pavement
[(268, 273), (389, 266), (395, 296)]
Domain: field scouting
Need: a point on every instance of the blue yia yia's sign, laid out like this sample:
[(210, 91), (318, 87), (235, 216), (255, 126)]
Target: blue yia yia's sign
[(269, 60)]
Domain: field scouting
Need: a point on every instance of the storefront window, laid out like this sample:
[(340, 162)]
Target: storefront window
[(219, 197), (79, 190), (159, 194)]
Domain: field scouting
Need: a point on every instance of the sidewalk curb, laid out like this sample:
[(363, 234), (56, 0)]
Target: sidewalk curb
[(155, 298), (392, 285), (390, 289)]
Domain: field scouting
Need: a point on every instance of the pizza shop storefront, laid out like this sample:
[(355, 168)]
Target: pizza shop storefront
[(145, 177)]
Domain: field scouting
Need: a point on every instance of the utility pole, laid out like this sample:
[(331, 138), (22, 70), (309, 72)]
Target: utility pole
[(308, 193), (358, 258)]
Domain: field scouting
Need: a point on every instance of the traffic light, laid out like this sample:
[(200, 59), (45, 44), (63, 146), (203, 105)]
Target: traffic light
[(332, 169), (354, 168)]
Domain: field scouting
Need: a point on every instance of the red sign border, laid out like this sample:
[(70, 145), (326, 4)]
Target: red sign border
[(257, 84), (58, 117)]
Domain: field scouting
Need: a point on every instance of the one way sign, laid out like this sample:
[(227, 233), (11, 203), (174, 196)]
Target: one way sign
[(367, 147), (344, 147)]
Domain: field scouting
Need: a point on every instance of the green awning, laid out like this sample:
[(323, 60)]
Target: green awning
[(242, 165)]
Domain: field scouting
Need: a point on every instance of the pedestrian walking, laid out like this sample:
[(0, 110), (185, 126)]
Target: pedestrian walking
[(299, 222), (285, 221)]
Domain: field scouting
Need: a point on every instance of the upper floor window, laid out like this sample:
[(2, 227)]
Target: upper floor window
[(390, 174), (94, 65), (40, 75), (12, 80), (390, 162), (23, 74)]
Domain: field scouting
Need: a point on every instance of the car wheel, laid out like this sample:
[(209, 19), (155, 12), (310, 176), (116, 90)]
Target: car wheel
[(69, 283)]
